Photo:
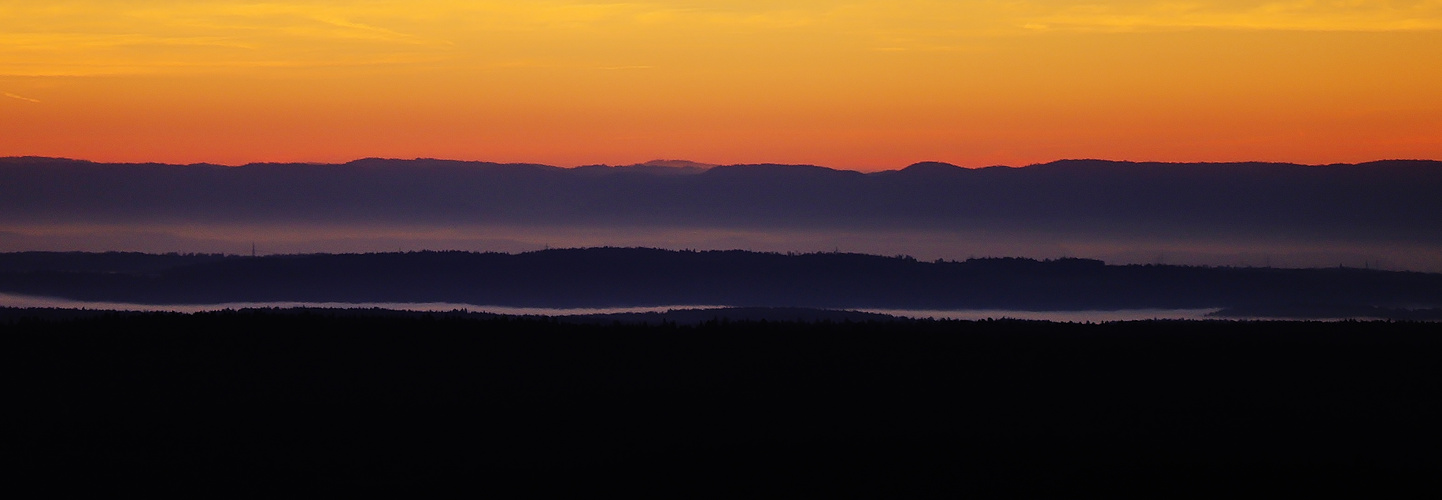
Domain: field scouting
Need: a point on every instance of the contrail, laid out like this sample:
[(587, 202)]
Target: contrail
[(20, 97)]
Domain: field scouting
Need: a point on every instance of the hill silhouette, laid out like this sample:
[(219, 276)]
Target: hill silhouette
[(263, 401), (1382, 202), (629, 277)]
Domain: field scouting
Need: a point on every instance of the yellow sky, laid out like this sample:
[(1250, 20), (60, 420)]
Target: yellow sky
[(863, 84)]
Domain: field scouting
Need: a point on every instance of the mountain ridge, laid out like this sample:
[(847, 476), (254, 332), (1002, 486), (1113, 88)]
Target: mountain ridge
[(683, 164), (1383, 204)]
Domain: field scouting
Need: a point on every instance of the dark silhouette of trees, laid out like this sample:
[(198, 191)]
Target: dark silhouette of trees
[(620, 277), (255, 401)]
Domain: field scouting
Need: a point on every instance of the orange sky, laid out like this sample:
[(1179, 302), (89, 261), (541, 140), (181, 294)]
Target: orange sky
[(851, 84)]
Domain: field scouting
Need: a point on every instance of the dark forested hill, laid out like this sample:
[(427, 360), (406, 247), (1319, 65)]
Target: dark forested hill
[(617, 277), (1373, 202), (252, 403)]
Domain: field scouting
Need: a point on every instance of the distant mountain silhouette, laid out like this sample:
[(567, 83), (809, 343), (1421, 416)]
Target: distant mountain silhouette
[(625, 277), (653, 167), (1383, 201), (932, 168), (698, 316), (678, 164)]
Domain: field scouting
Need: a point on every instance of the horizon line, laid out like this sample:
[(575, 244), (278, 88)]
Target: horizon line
[(660, 163)]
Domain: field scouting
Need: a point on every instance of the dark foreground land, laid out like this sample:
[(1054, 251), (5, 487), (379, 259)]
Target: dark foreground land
[(317, 401)]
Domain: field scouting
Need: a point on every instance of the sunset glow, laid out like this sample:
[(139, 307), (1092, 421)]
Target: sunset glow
[(865, 85)]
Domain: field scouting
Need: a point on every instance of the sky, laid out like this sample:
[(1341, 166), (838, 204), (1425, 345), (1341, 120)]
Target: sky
[(864, 85)]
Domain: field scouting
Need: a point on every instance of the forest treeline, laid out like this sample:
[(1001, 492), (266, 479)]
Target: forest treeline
[(1375, 202), (240, 402), (625, 277)]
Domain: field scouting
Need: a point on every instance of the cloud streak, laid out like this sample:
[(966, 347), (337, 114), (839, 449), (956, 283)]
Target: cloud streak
[(89, 38), (1294, 15), (154, 36), (20, 97)]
